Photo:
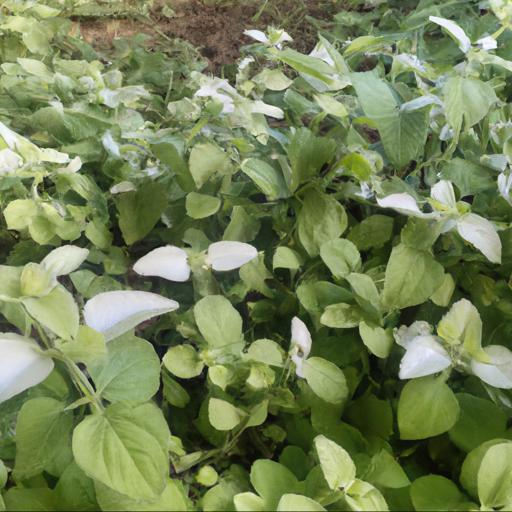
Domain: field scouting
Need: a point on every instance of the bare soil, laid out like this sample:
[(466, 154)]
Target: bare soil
[(217, 30)]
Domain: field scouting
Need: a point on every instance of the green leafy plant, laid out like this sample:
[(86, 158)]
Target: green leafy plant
[(285, 289)]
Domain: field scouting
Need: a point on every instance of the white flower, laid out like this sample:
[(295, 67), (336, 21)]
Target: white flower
[(275, 37), (366, 191), (455, 31), (300, 346), (504, 185), (171, 262), (224, 256), (424, 356), (404, 335), (114, 313), (471, 227), (487, 43), (499, 372), (22, 365), (9, 161), (220, 90), (64, 259), (122, 186)]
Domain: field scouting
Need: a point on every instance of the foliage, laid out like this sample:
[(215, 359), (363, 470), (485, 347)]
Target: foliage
[(288, 289)]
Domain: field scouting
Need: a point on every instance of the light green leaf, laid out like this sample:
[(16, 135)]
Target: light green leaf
[(125, 448), (200, 206), (326, 380), (140, 210), (57, 311), (412, 276), (495, 477), (403, 133), (223, 415), (337, 466), (435, 492), (268, 179), (43, 436), (378, 340), (467, 100), (371, 232), (131, 371), (205, 160), (219, 322), (183, 361), (284, 257), (341, 316), (294, 502), (321, 220), (341, 257), (427, 408)]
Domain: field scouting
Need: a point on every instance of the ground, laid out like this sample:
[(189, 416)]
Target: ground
[(216, 27)]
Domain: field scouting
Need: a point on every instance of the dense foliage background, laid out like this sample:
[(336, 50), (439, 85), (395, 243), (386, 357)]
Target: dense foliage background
[(285, 287)]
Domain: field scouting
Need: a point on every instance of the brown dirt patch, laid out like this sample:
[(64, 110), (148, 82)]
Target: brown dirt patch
[(216, 28)]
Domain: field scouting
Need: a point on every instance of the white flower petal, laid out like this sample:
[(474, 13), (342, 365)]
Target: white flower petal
[(21, 365), (114, 313), (301, 337), (65, 259), (454, 30), (403, 203), (443, 192), (258, 107), (482, 234), (424, 356), (9, 161), (258, 35), (487, 43), (504, 186), (169, 262), (405, 335), (499, 372), (299, 365), (230, 255)]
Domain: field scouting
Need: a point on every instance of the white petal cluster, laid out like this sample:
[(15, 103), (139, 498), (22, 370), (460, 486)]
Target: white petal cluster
[(498, 372), (114, 313), (300, 346), (274, 38), (171, 262), (22, 365), (476, 230)]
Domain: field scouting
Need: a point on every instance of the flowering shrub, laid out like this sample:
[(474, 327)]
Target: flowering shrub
[(288, 289)]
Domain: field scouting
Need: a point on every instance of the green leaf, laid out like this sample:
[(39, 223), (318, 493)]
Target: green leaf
[(219, 322), (479, 421), (57, 311), (403, 133), (20, 499), (131, 371), (495, 477), (43, 436), (284, 257), (223, 415), (435, 492), (271, 480), (140, 210), (337, 466), (88, 347), (378, 340), (200, 206), (364, 496), (293, 502), (321, 220), (372, 232), (341, 257), (268, 179), (308, 154), (183, 361), (174, 498), (205, 160), (412, 276), (125, 448), (385, 471), (75, 490), (427, 408), (341, 316), (326, 380), (467, 100), (169, 155)]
